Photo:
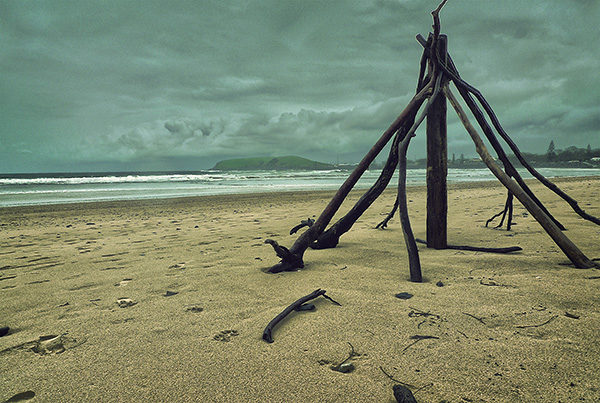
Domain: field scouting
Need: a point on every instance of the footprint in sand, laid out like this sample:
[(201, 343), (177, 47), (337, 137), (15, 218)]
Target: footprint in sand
[(125, 302), (52, 344), (225, 335), (123, 282), (19, 397), (47, 345), (195, 308)]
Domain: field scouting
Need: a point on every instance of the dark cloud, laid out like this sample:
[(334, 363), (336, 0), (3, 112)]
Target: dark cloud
[(116, 84)]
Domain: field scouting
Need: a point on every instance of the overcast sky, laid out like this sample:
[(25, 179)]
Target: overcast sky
[(180, 85)]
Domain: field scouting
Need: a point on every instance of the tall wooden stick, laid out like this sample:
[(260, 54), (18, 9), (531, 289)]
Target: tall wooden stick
[(437, 168), (564, 243), (414, 263)]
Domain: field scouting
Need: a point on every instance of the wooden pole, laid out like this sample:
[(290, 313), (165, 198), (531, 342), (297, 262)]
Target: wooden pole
[(437, 167), (569, 248)]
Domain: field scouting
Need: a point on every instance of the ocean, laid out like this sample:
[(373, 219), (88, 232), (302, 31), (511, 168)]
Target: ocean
[(38, 189)]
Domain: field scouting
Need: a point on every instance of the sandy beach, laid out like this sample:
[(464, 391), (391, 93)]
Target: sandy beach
[(166, 301)]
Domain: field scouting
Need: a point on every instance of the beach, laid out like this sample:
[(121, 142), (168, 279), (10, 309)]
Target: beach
[(166, 301)]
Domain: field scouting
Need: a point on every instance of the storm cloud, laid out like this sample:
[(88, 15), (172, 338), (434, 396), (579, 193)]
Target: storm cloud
[(119, 85)]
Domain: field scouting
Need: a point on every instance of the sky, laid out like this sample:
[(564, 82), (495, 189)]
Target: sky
[(121, 85)]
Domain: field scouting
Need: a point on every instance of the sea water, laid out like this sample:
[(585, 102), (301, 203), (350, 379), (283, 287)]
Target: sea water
[(35, 189)]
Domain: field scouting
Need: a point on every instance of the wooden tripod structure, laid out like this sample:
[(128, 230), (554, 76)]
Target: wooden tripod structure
[(437, 70)]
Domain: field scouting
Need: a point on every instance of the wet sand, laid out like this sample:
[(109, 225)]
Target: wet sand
[(189, 275)]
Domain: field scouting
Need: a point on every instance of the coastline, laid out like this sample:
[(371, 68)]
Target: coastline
[(194, 269), (42, 189)]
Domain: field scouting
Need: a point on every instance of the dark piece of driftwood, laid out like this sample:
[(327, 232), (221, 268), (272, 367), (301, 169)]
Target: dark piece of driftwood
[(304, 223), (465, 91), (417, 338), (310, 235), (395, 380), (436, 79), (507, 214), (541, 324), (437, 167), (574, 254), (331, 237), (390, 215), (285, 254), (267, 333), (409, 239), (508, 249), (474, 317)]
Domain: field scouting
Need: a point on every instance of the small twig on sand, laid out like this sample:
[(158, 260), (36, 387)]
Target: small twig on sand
[(395, 380), (352, 354), (417, 338), (474, 317), (541, 324)]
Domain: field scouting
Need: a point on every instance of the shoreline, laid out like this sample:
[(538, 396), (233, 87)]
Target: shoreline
[(147, 202), (505, 328)]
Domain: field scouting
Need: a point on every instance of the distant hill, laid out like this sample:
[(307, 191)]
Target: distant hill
[(270, 163)]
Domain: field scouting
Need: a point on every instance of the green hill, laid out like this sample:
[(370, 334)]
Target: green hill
[(270, 163)]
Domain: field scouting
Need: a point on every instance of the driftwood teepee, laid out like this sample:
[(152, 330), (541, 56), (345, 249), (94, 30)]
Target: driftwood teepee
[(437, 70)]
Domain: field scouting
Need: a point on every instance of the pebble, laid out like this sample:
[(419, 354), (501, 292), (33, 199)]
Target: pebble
[(404, 295), (403, 394), (346, 368)]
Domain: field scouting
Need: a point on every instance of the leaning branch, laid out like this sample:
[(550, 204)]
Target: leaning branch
[(309, 236), (564, 243)]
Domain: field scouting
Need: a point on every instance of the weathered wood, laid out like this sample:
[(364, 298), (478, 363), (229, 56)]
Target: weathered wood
[(506, 212), (409, 239), (383, 224), (465, 91), (437, 167), (310, 235), (569, 248), (331, 237), (508, 249), (267, 333)]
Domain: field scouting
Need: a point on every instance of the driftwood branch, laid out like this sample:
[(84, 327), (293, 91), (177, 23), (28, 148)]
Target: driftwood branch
[(541, 324), (331, 237), (304, 223), (390, 215), (409, 239), (507, 214), (267, 333), (508, 249), (310, 235), (286, 256), (465, 89), (564, 243)]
